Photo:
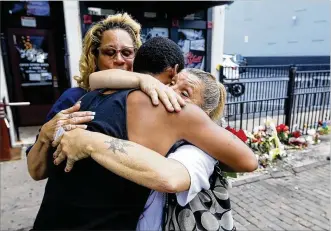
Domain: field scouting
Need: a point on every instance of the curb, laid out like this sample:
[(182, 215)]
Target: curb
[(279, 174)]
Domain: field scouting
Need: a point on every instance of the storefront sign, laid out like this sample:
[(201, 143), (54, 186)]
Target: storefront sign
[(28, 21), (149, 14), (192, 43), (33, 64)]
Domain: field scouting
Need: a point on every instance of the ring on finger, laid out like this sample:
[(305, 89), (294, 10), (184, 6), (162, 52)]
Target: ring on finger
[(67, 127), (57, 151)]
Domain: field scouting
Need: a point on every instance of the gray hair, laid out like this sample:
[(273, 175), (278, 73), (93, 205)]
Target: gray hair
[(214, 94)]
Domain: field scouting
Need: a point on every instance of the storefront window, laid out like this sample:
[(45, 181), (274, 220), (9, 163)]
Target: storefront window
[(148, 33), (30, 8), (192, 43), (33, 61), (201, 15)]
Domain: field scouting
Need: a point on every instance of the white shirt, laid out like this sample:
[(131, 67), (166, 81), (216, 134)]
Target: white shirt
[(199, 165)]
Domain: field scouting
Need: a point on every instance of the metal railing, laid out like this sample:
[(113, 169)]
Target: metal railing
[(279, 91)]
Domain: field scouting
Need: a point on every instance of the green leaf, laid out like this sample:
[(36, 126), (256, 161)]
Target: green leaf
[(230, 174)]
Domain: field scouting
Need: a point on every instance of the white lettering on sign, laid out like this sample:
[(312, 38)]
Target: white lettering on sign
[(28, 21)]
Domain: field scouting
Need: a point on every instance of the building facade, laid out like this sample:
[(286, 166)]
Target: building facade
[(41, 44), (279, 32)]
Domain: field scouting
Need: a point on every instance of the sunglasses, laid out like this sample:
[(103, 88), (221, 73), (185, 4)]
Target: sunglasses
[(126, 52)]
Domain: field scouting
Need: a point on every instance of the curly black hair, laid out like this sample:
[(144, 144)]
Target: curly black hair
[(157, 54)]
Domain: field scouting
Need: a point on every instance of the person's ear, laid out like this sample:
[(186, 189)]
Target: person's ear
[(174, 80), (170, 71), (208, 112), (176, 69)]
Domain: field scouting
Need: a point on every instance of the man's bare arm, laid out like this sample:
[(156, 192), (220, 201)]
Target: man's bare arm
[(126, 159), (154, 128), (141, 165)]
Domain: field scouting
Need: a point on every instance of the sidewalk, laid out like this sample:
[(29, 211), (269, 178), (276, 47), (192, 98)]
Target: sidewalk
[(296, 202), (261, 200), (296, 161)]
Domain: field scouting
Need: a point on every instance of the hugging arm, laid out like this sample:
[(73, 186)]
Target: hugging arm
[(196, 127), (193, 125), (125, 158), (37, 155), (115, 79), (121, 79), (142, 165)]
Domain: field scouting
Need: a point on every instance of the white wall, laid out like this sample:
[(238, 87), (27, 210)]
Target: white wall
[(278, 28), (217, 38), (74, 36), (4, 93)]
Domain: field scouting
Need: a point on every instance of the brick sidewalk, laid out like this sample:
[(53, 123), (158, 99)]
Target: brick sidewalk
[(296, 202), (282, 200)]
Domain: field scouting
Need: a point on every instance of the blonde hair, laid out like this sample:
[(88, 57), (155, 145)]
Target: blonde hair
[(214, 95), (92, 40)]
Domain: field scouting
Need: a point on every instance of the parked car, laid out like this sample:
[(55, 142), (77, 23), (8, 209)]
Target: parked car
[(241, 61), (231, 76), (230, 67)]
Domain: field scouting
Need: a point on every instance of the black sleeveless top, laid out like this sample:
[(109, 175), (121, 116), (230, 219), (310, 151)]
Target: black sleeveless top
[(90, 196)]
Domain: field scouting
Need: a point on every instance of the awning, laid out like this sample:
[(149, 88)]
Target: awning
[(177, 8)]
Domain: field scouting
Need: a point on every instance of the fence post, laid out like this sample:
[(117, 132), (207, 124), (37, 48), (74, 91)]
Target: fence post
[(241, 115), (290, 96), (221, 75)]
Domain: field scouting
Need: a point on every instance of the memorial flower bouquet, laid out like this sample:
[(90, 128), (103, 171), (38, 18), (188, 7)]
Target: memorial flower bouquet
[(313, 136), (265, 142), (296, 139), (323, 127)]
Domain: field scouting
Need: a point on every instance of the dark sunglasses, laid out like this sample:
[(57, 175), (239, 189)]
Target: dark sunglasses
[(126, 52)]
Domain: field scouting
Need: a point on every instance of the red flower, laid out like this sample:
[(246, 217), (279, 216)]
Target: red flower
[(240, 134), (296, 134), (282, 128), (256, 140), (320, 122), (232, 130)]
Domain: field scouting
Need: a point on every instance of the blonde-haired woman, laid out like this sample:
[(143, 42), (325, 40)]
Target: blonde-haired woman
[(108, 44), (202, 89), (192, 176)]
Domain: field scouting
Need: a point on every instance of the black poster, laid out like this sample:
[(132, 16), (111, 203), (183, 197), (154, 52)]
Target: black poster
[(148, 33), (30, 8), (33, 64), (192, 43)]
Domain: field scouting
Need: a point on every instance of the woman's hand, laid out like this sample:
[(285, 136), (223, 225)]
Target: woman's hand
[(69, 119), (72, 145), (157, 90)]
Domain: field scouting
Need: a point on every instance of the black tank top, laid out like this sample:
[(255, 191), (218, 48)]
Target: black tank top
[(90, 196)]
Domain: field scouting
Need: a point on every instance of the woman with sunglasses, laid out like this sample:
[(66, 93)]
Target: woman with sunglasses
[(109, 44)]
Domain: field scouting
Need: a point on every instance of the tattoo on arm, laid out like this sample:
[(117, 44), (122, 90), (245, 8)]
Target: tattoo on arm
[(118, 145)]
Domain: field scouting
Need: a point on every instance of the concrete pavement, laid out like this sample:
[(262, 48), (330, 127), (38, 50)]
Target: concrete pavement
[(297, 200)]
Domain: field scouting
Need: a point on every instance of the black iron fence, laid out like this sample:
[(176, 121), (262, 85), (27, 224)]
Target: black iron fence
[(294, 95)]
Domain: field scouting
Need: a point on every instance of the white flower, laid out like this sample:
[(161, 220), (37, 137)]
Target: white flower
[(310, 140), (311, 132)]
